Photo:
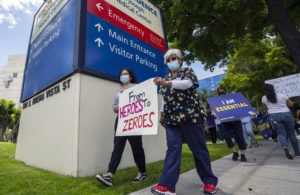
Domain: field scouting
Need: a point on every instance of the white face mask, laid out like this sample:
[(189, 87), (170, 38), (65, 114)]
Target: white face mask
[(124, 78), (174, 65)]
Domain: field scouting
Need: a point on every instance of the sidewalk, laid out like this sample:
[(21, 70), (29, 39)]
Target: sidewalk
[(267, 172)]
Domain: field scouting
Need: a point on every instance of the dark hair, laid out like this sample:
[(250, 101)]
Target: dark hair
[(208, 113), (221, 87), (270, 93), (131, 74)]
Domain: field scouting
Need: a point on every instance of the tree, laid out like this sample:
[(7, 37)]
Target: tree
[(9, 115), (254, 62), (208, 30)]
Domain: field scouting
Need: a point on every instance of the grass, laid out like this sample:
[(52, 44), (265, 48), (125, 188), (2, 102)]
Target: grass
[(19, 178)]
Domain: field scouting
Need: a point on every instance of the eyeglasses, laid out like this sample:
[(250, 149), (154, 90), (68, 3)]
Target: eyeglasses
[(124, 74), (171, 59)]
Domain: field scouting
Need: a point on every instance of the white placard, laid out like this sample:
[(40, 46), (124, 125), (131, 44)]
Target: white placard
[(138, 110), (289, 85)]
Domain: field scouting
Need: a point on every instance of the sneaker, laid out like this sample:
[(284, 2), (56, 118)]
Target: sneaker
[(105, 178), (297, 155), (162, 190), (209, 189), (243, 158), (255, 144), (288, 154), (140, 177), (235, 156)]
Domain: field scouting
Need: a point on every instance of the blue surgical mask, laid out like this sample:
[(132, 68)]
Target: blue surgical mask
[(174, 65), (124, 78)]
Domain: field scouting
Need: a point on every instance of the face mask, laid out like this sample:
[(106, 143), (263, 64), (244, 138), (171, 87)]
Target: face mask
[(174, 65), (124, 78)]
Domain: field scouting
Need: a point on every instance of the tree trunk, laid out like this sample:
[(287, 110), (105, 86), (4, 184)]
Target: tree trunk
[(1, 135), (285, 27)]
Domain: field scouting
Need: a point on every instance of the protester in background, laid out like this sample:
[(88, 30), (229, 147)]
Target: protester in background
[(297, 122), (211, 125), (219, 127), (281, 118), (248, 131), (298, 115), (235, 129), (127, 79), (181, 117), (261, 113)]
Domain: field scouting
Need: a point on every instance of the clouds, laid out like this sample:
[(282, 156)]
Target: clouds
[(10, 10)]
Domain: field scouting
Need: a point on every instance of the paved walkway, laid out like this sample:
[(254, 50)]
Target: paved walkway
[(267, 172)]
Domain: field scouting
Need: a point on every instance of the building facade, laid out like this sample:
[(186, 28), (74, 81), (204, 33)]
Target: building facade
[(210, 81), (11, 78)]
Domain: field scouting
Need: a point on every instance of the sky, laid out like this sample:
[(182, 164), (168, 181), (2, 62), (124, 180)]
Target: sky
[(16, 18)]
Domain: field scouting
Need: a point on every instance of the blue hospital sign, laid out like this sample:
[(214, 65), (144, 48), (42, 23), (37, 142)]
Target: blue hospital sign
[(95, 37), (231, 107), (51, 48), (125, 34)]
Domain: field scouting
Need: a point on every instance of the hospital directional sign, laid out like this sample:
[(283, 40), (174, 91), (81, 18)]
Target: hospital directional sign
[(124, 33), (96, 37)]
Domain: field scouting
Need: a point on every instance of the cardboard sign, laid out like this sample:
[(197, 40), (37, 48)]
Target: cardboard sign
[(231, 107), (138, 110), (289, 85)]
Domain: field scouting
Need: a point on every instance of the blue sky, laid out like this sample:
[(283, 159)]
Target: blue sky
[(16, 17)]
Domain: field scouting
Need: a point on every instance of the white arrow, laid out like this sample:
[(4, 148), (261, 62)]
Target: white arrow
[(99, 42), (99, 27), (98, 5)]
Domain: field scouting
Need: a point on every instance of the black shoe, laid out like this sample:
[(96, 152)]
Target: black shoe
[(255, 144), (105, 178), (140, 177), (235, 156), (288, 154), (243, 158)]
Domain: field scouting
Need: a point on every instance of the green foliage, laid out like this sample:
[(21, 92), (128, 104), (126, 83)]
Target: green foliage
[(254, 62), (208, 30), (9, 116), (18, 178)]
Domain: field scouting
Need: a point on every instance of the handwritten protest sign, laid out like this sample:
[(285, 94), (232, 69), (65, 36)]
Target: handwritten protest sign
[(231, 107), (289, 85), (138, 110)]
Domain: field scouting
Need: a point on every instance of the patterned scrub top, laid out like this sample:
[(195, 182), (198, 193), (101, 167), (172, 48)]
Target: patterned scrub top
[(181, 106)]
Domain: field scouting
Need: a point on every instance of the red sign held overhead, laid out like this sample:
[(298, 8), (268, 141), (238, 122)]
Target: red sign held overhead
[(110, 13)]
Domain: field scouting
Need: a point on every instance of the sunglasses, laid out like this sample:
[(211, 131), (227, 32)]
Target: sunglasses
[(171, 59)]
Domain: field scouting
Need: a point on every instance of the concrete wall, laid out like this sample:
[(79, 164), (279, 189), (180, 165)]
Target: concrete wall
[(71, 132)]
